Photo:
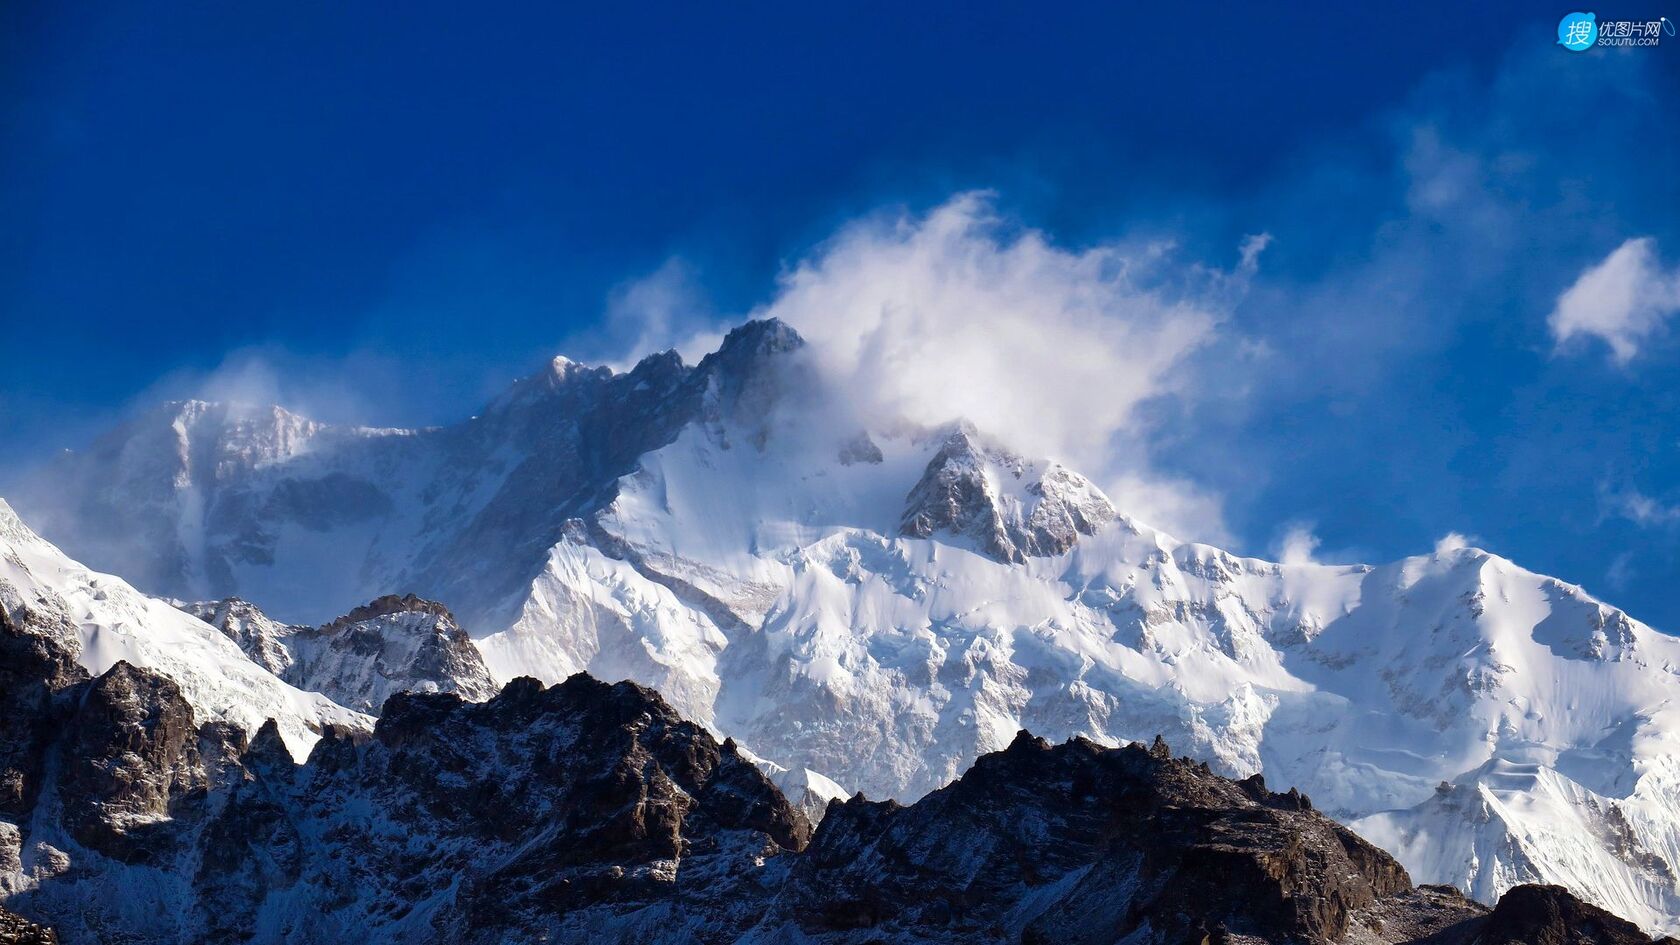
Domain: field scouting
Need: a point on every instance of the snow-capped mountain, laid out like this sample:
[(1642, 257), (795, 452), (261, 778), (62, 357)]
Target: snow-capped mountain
[(391, 645), (882, 604), (102, 620)]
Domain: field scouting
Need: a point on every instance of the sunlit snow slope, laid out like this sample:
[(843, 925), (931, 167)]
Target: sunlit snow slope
[(115, 622)]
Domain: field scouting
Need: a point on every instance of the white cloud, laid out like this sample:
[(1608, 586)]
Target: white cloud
[(1298, 545), (960, 314), (247, 378), (1623, 300), (1453, 541), (1178, 506)]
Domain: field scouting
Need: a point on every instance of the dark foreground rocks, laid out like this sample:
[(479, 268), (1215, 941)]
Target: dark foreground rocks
[(16, 930), (587, 812)]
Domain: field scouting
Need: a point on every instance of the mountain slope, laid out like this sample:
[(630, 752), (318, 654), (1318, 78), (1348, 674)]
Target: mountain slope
[(102, 621), (588, 812), (884, 603)]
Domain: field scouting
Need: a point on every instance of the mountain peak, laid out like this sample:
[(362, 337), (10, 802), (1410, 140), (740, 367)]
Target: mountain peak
[(253, 414), (393, 604), (760, 336), (667, 362), (1010, 508), (748, 376), (392, 644)]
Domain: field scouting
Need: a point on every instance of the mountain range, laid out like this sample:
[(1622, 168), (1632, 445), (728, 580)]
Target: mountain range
[(587, 811), (849, 604)]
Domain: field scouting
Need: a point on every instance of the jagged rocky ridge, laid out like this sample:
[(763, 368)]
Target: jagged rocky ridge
[(593, 812), (392, 644), (884, 605)]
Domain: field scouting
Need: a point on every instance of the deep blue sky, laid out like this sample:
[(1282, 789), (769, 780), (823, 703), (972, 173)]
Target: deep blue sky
[(405, 207)]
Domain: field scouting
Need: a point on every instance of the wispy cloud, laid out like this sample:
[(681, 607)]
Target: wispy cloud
[(665, 309), (1637, 507), (1623, 300), (1454, 541), (1298, 545), (1619, 576)]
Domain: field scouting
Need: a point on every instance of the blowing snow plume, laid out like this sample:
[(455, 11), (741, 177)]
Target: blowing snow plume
[(959, 313)]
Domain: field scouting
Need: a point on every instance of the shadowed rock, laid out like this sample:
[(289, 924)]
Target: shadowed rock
[(16, 930), (588, 812)]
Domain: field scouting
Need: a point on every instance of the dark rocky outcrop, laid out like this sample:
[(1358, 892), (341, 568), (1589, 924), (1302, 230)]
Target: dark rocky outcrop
[(1550, 915), (38, 649), (593, 812), (386, 606), (16, 930), (389, 645), (1107, 841), (130, 757), (543, 813)]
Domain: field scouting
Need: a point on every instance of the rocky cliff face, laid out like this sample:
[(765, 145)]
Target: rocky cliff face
[(391, 645), (581, 810), (593, 812), (1077, 843), (1004, 506), (38, 650), (261, 637)]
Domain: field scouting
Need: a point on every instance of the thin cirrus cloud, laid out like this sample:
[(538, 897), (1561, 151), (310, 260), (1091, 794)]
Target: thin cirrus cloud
[(1624, 300)]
